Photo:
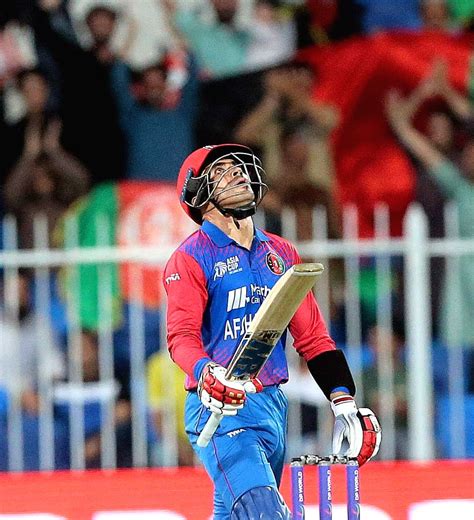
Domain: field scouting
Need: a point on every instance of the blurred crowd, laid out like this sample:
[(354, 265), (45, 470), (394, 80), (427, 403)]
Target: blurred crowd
[(84, 101)]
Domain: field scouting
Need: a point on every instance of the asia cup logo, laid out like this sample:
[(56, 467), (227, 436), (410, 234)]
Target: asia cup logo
[(275, 263), (220, 269)]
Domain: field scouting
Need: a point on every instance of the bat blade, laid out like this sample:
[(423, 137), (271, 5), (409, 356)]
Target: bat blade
[(265, 329), (271, 321)]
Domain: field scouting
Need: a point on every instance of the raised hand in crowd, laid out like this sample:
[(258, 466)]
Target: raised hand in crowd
[(294, 84), (91, 128), (42, 140), (398, 114), (457, 102), (52, 136), (437, 84), (169, 9), (33, 140), (289, 88), (396, 109)]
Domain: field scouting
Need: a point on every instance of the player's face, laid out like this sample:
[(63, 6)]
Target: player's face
[(233, 184)]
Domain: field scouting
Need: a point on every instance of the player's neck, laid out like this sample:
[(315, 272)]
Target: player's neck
[(241, 231)]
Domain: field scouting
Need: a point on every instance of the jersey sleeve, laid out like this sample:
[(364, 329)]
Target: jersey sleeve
[(185, 285), (307, 326)]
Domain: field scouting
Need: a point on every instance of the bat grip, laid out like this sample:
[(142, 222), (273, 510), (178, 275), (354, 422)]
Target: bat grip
[(209, 429)]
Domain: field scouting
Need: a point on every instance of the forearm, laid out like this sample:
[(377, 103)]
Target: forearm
[(323, 116), (251, 128), (414, 101), (187, 351), (18, 182), (130, 38), (54, 31), (417, 144), (458, 103), (70, 172)]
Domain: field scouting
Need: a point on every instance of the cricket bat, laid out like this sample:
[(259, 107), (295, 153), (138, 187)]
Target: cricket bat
[(264, 331)]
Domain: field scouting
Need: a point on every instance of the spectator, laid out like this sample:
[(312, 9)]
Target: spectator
[(213, 36), (94, 393), (158, 127), (19, 348), (457, 183), (91, 127), (101, 21), (272, 37), (29, 368), (308, 407), (293, 130), (435, 16), (440, 130), (34, 92), (165, 389), (394, 341), (44, 181), (214, 32), (122, 408)]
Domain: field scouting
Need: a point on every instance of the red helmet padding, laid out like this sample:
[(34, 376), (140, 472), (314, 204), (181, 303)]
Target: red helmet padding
[(196, 162)]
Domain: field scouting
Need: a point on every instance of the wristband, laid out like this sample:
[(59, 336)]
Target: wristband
[(340, 389), (199, 367)]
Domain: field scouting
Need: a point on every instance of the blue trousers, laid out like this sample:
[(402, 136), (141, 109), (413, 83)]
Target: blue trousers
[(247, 450)]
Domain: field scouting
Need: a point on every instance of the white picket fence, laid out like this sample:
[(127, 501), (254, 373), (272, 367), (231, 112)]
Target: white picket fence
[(414, 247)]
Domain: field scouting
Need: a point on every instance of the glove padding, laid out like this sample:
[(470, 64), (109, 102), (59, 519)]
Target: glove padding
[(358, 426), (220, 395)]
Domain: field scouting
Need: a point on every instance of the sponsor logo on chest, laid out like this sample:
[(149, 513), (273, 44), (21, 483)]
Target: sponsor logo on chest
[(238, 298)]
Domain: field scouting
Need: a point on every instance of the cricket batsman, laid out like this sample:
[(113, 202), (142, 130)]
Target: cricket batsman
[(215, 282)]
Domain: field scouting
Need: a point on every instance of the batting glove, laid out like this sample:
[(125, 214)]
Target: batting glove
[(220, 395), (358, 427)]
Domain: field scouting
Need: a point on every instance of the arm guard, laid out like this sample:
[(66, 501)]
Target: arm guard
[(330, 370)]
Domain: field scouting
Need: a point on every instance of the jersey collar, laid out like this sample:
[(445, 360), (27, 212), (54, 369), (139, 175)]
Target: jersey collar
[(221, 239)]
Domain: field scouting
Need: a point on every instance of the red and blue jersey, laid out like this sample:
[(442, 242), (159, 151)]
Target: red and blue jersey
[(215, 286)]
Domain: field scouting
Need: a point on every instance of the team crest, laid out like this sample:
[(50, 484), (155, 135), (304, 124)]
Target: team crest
[(275, 263)]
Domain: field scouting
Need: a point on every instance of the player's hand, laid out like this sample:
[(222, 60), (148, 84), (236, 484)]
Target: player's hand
[(358, 427), (221, 396)]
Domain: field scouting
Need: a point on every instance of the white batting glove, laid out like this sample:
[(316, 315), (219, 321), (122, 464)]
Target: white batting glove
[(220, 395), (358, 427)]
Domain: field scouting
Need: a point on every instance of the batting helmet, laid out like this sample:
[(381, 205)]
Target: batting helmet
[(195, 189)]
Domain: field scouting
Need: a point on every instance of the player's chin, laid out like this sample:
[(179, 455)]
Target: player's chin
[(237, 198)]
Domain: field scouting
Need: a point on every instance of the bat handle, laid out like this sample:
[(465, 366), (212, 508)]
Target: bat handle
[(209, 429)]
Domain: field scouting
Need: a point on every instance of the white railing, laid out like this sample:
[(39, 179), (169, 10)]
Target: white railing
[(415, 248)]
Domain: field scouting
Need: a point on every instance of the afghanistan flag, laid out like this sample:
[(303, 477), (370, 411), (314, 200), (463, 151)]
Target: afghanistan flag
[(126, 214)]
